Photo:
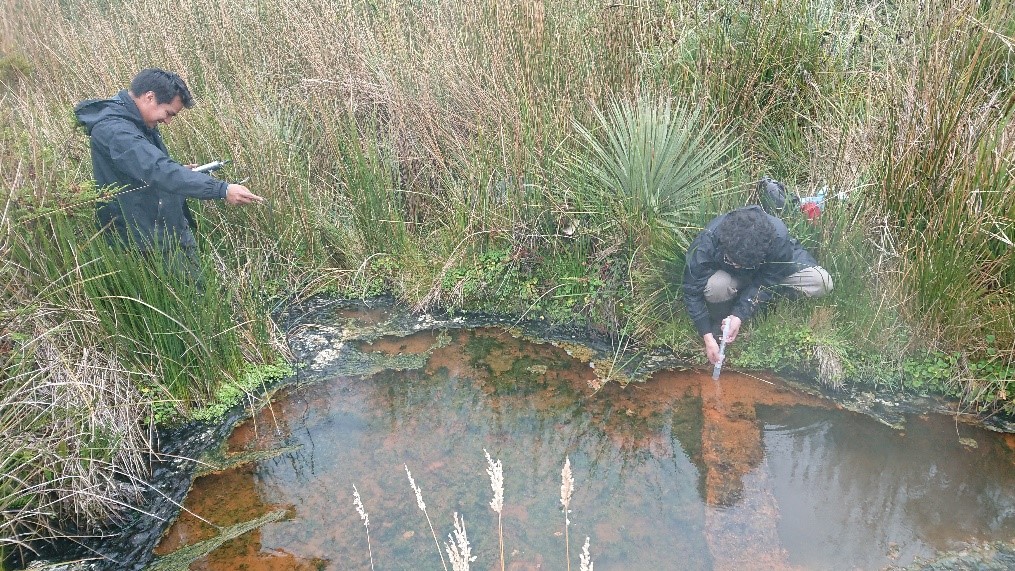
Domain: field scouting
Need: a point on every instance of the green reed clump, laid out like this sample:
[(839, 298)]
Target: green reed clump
[(943, 190), (96, 342), (169, 328)]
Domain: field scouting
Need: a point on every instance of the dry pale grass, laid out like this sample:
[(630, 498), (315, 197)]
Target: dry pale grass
[(76, 446), (74, 451)]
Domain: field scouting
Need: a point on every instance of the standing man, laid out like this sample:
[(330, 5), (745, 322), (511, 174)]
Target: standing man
[(735, 265), (149, 210)]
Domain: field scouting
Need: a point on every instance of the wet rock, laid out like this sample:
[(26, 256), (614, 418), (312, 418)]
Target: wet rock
[(46, 566)]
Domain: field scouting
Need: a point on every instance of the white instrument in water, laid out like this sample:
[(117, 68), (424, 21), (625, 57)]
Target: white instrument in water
[(722, 350)]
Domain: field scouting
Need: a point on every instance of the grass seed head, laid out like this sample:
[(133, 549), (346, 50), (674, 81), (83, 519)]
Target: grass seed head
[(496, 473), (566, 486), (363, 515), (415, 488)]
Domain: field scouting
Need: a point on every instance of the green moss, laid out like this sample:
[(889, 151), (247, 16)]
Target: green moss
[(479, 347), (253, 381)]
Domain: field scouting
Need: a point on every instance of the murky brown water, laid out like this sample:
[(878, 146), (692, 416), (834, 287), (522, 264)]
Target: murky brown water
[(677, 473)]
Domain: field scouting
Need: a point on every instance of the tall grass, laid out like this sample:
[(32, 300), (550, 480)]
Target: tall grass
[(76, 442), (942, 179)]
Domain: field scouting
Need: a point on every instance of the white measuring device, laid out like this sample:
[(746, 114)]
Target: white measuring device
[(722, 350)]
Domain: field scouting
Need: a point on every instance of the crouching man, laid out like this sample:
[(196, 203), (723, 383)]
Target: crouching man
[(736, 264)]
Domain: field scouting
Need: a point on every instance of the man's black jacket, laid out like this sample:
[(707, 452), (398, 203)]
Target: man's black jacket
[(705, 257), (150, 208)]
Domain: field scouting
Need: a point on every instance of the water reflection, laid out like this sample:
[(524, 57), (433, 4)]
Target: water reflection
[(676, 473), (864, 492)]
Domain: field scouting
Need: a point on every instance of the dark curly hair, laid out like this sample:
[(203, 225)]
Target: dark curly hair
[(745, 236)]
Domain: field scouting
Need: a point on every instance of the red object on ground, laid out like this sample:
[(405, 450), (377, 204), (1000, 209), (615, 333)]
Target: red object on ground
[(811, 209)]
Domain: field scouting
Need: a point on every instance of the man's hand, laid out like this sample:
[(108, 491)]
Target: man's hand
[(712, 345), (711, 348), (734, 328), (237, 194)]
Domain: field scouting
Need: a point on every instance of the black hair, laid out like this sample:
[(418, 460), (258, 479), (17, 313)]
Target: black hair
[(166, 86), (745, 236)]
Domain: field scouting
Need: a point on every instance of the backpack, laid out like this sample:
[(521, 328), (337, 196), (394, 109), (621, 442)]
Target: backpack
[(775, 199)]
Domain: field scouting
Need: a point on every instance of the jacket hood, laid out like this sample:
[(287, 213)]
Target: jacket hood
[(91, 112)]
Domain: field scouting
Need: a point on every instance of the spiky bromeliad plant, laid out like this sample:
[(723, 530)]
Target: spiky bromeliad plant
[(649, 163), (646, 169)]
